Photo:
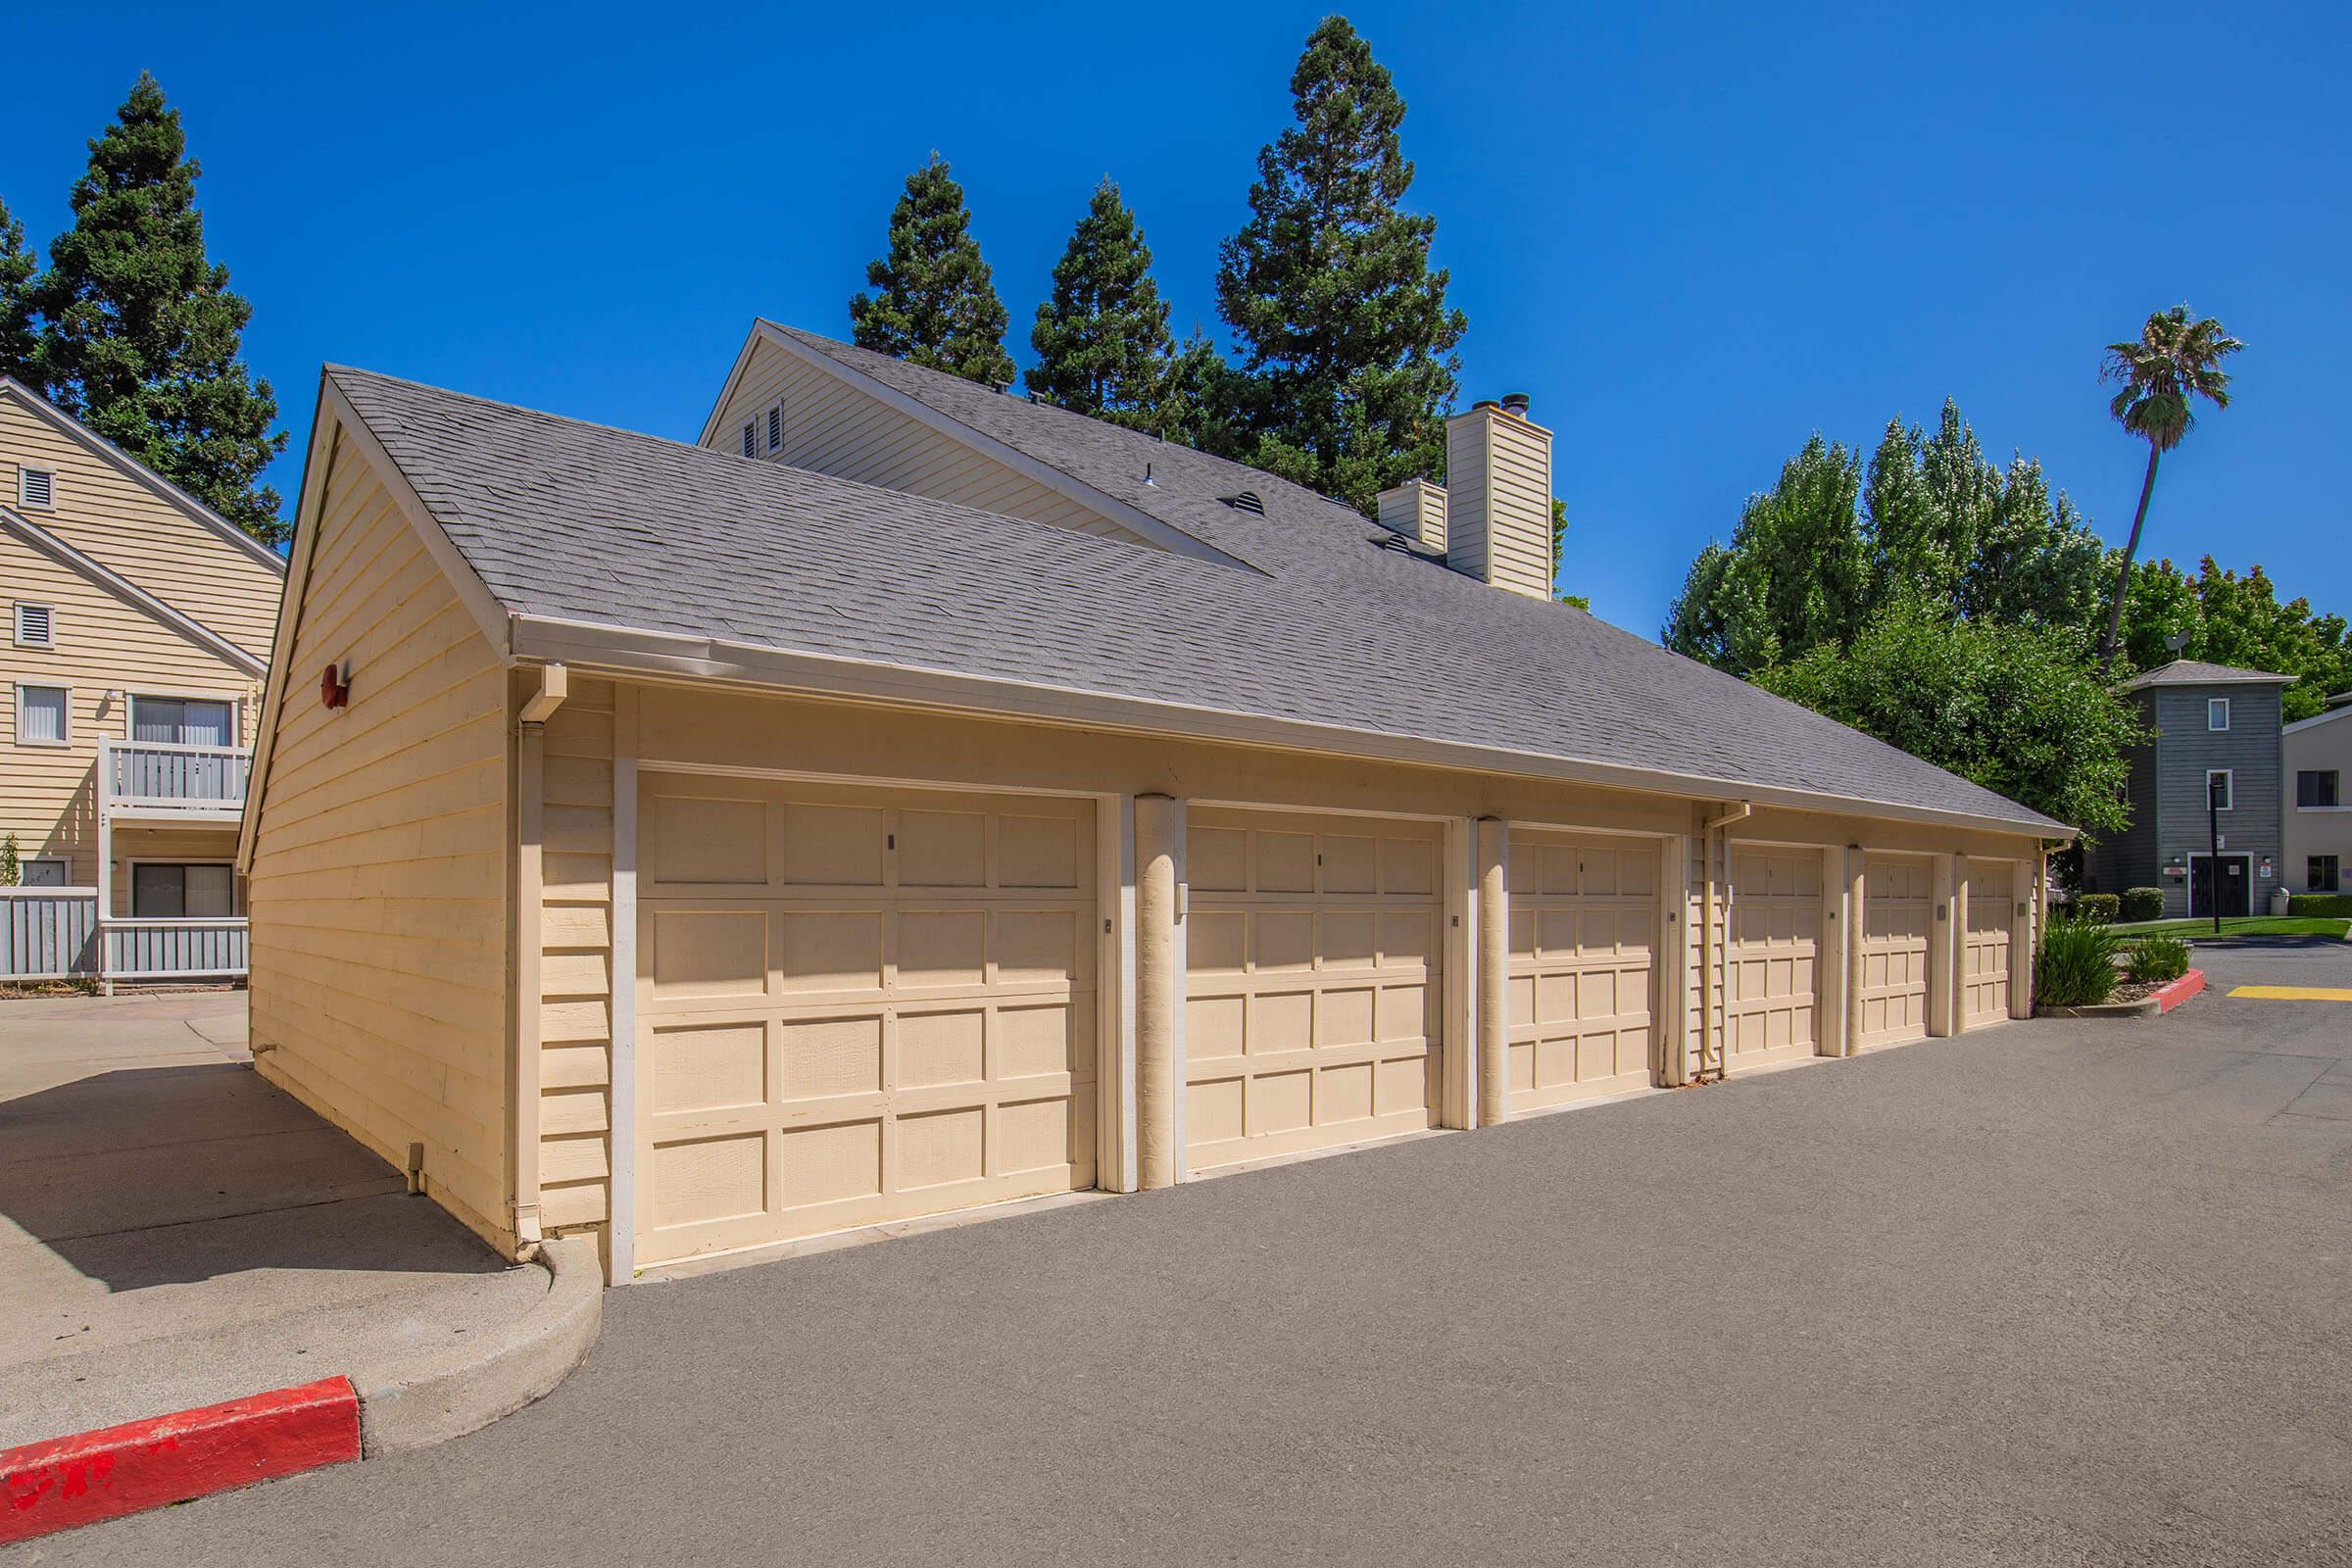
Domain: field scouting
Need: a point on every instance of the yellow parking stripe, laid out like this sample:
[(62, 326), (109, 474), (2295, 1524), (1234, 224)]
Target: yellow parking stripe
[(2294, 993)]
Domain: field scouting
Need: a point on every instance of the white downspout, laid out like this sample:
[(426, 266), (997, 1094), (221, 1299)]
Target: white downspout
[(1710, 1046)]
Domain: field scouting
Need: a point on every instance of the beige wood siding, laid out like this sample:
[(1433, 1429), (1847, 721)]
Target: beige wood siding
[(574, 931), (1519, 548), (1992, 907), (1583, 917), (1899, 910), (1773, 961), (1312, 1005), (48, 794), (379, 885), (855, 1004), (835, 428), (129, 529)]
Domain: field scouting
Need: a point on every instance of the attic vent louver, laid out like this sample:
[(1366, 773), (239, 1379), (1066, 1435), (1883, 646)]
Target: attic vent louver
[(1247, 500)]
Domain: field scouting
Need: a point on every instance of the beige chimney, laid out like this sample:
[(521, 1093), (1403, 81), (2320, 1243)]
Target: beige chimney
[(1498, 497), (1415, 509)]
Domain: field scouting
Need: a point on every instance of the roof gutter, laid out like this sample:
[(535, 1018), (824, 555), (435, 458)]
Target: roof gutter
[(630, 651)]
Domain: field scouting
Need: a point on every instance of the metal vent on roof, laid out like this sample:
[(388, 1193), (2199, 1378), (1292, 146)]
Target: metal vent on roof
[(750, 440), (1246, 501), (775, 426)]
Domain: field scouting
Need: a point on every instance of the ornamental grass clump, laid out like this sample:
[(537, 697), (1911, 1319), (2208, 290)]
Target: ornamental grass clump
[(2075, 964), (2156, 959)]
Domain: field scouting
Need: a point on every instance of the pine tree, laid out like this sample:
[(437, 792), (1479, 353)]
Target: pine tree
[(934, 301), (1101, 341), (1345, 337), (18, 336), (141, 336)]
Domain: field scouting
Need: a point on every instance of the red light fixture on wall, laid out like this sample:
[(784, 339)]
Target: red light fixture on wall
[(335, 685)]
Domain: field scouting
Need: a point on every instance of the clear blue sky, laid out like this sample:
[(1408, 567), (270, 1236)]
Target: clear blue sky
[(1693, 235)]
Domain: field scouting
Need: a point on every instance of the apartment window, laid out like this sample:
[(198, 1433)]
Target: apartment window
[(37, 627), (2217, 712), (194, 891), (49, 871), (36, 489), (2218, 784), (750, 439), (183, 720), (41, 715), (775, 429), (2317, 787), (2320, 873)]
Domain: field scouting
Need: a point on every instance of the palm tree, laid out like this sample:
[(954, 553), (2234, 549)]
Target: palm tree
[(2173, 361)]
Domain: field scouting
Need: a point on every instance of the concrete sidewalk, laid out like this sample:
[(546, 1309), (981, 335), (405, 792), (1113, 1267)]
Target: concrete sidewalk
[(174, 1230)]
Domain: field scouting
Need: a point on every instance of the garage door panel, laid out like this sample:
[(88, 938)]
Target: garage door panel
[(1584, 916), (1771, 959), (899, 1013), (1311, 1016), (1897, 915)]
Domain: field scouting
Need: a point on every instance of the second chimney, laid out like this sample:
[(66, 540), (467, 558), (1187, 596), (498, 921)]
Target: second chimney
[(1498, 497), (1415, 509)]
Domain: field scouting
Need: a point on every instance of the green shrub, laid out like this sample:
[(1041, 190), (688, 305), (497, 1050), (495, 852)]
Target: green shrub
[(2332, 906), (2099, 908), (2154, 959), (2141, 903), (2075, 966)]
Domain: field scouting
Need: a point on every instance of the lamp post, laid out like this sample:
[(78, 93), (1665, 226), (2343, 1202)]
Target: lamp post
[(2213, 853)]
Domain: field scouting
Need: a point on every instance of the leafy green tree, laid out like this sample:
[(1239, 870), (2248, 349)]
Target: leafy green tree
[(2020, 709), (20, 338), (12, 862), (1796, 574), (1559, 541), (2230, 619), (1346, 340), (1102, 340), (141, 336), (2173, 361), (934, 300)]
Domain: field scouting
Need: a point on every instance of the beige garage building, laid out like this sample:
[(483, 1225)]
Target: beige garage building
[(913, 798)]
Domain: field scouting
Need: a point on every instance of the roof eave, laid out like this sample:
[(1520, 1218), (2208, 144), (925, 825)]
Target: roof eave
[(624, 650)]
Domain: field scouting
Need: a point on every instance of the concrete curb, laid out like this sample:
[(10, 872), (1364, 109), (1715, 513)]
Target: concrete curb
[(91, 1476), (64, 1482), (435, 1397), (2164, 999)]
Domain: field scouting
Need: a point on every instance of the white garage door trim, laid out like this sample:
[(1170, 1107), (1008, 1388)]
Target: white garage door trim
[(1898, 925), (1777, 930), (1093, 838), (1314, 1049), (1586, 932)]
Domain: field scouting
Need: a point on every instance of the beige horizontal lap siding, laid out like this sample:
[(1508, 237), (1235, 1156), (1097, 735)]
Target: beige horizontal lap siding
[(1521, 481), (575, 964), (48, 794), (833, 427), (129, 529), (379, 885)]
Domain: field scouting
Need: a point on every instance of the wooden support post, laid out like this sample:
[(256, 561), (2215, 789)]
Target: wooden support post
[(1857, 929), (1493, 971), (1159, 889)]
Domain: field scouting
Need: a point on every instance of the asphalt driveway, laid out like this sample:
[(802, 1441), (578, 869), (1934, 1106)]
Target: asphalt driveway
[(2072, 1292)]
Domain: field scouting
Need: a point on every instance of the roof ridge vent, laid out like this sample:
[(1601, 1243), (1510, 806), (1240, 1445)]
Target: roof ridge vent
[(1248, 501)]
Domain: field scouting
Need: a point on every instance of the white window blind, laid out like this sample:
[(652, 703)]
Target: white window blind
[(184, 722), (41, 715)]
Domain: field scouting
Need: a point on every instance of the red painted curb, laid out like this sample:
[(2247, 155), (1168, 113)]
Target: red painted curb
[(91, 1476), (2170, 995)]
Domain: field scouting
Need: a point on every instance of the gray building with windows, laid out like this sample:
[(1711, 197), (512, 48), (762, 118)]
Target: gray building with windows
[(2319, 808), (2217, 730)]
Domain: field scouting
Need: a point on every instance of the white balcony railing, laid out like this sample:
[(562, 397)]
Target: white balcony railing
[(58, 934), (161, 776), (174, 949)]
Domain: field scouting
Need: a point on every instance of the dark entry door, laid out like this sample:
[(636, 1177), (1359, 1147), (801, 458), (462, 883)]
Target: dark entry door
[(2237, 885)]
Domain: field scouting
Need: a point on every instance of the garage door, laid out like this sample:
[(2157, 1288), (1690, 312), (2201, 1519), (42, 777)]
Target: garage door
[(1313, 985), (1899, 899), (857, 1004), (1772, 956), (1991, 892), (1584, 927)]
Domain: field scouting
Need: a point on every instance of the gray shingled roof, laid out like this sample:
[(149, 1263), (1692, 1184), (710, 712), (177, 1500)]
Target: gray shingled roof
[(567, 519), (2197, 673)]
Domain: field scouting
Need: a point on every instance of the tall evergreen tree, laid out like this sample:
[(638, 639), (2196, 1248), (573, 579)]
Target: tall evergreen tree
[(1101, 341), (19, 338), (141, 337), (934, 301), (1345, 337)]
